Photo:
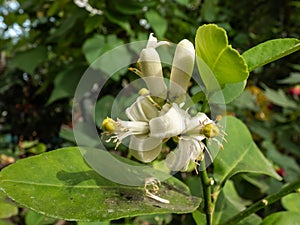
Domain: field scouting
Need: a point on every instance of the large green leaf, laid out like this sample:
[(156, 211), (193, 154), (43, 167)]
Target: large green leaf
[(227, 65), (280, 218), (240, 154), (60, 184), (270, 51)]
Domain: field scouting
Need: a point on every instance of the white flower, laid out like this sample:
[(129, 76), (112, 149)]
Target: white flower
[(190, 146), (156, 116), (142, 147)]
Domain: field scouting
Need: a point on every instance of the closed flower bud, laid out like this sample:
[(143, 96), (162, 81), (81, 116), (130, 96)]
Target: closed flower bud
[(151, 70), (182, 69)]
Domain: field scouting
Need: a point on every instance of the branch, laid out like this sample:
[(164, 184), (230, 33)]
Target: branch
[(208, 204), (289, 188)]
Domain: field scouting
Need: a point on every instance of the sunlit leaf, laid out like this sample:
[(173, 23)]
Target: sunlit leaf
[(212, 47), (270, 51), (280, 218), (291, 202)]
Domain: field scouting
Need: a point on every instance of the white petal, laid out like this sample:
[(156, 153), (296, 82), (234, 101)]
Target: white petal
[(144, 143), (151, 69), (141, 110), (141, 144), (152, 41), (182, 69), (179, 158), (133, 127), (168, 125), (196, 123)]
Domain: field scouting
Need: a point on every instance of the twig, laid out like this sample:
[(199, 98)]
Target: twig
[(264, 202)]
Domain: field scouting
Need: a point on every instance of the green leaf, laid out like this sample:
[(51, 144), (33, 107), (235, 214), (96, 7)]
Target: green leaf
[(157, 22), (294, 78), (7, 209), (93, 223), (93, 47), (199, 218), (65, 82), (229, 93), (30, 59), (270, 51), (280, 218), (60, 184), (212, 47), (280, 98), (33, 218), (228, 204), (291, 202), (103, 108), (240, 153)]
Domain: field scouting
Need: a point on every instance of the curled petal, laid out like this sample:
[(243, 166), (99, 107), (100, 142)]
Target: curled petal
[(151, 69), (195, 124), (153, 43), (145, 148), (141, 110), (188, 150), (144, 143), (172, 123), (182, 69)]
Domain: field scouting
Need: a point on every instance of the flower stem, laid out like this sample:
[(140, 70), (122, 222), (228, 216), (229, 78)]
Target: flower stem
[(264, 202), (208, 204)]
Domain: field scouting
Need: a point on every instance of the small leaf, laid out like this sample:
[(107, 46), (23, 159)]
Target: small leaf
[(157, 22), (33, 218), (227, 65), (7, 209), (228, 204), (280, 218), (280, 98), (240, 154), (65, 82), (29, 60), (270, 51), (294, 78), (291, 202), (60, 184)]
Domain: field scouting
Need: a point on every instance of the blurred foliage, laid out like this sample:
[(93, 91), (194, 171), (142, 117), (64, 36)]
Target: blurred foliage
[(45, 47)]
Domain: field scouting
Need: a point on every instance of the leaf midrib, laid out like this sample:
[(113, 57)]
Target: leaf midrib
[(218, 58), (236, 163), (70, 186)]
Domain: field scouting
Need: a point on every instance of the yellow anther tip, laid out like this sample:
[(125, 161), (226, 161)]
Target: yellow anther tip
[(108, 124), (210, 130)]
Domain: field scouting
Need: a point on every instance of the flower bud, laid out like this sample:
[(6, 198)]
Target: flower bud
[(151, 69), (182, 69)]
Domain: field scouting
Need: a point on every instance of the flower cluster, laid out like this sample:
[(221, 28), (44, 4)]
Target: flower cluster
[(156, 114)]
